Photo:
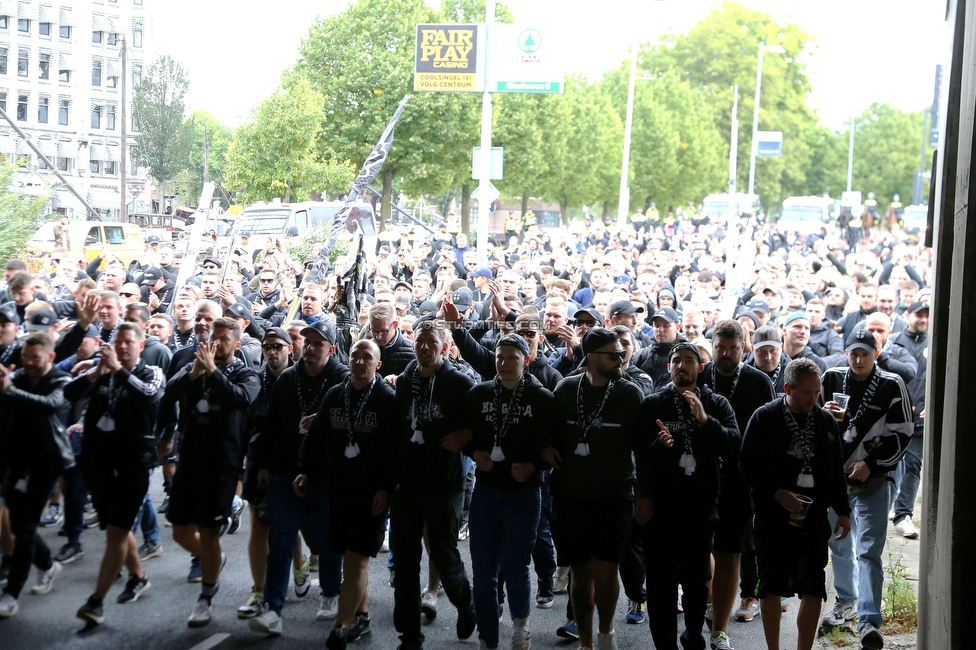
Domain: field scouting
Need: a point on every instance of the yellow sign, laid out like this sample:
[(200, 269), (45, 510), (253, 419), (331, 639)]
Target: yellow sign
[(449, 58)]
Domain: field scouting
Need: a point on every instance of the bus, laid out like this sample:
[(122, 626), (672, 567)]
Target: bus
[(805, 215)]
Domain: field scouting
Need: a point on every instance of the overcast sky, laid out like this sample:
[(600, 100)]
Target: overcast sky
[(867, 50)]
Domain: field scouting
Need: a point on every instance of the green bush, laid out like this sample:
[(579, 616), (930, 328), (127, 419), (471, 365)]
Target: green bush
[(300, 248)]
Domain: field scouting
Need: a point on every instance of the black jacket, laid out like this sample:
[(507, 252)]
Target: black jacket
[(427, 467), (278, 443), (523, 441), (654, 360), (917, 346), (770, 462), (136, 399), (396, 355), (33, 422), (482, 359), (826, 343), (640, 379)]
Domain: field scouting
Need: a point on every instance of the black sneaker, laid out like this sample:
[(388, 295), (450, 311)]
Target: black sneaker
[(69, 553), (196, 573), (544, 596), (335, 641), (91, 612), (359, 629), (134, 588), (465, 623), (92, 522), (235, 518)]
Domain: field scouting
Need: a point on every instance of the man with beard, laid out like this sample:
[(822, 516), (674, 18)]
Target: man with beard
[(117, 454), (268, 301), (767, 355), (796, 339), (31, 402), (868, 304), (215, 392), (593, 480), (747, 389), (566, 359), (313, 303), (791, 449), (430, 490), (914, 339), (654, 359), (877, 428), (680, 496), (555, 318), (276, 455)]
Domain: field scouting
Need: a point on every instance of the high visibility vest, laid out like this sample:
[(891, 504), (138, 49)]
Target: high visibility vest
[(512, 224), (530, 219)]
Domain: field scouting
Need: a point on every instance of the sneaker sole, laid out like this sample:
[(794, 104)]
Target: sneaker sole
[(631, 621), (74, 558), (90, 617), (302, 591), (872, 641), (244, 615), (46, 589), (544, 604), (198, 623), (563, 634), (152, 554), (135, 595)]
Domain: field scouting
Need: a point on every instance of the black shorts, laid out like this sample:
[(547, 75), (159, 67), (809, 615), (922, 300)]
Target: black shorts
[(791, 560), (352, 525), (117, 491), (583, 530), (201, 497), (734, 516), (255, 495)]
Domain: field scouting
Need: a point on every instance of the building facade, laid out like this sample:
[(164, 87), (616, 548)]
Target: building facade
[(61, 83)]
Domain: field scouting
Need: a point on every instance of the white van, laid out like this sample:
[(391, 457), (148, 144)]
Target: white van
[(718, 205), (289, 220), (805, 215)]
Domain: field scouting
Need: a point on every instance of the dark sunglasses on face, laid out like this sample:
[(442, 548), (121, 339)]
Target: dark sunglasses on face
[(209, 267), (268, 347), (526, 334), (267, 279), (614, 356), (584, 323)]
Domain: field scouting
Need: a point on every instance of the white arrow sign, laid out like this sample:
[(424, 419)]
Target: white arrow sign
[(485, 193)]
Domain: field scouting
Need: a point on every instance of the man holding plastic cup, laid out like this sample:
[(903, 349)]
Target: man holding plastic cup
[(876, 430), (791, 459)]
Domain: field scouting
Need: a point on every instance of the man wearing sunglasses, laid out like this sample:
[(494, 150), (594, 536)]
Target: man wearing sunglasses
[(396, 350)]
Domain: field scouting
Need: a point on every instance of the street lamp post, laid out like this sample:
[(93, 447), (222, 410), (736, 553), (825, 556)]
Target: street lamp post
[(755, 113)]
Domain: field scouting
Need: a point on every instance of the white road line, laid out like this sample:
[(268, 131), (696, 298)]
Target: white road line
[(211, 642)]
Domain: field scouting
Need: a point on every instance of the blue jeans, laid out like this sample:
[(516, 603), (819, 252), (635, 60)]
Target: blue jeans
[(503, 531), (862, 581), (146, 519), (907, 477), (287, 511)]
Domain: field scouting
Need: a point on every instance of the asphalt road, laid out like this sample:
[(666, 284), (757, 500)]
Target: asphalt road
[(158, 619)]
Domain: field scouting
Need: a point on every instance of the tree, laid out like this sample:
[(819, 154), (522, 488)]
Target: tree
[(20, 215), (158, 95), (276, 153), (361, 61), (206, 156)]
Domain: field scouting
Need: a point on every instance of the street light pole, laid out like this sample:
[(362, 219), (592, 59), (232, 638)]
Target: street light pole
[(755, 113), (850, 158), (623, 205)]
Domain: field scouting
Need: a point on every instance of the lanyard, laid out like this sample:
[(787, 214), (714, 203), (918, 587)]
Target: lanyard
[(735, 380), (680, 405), (804, 439), (594, 421), (851, 432), (421, 407), (356, 420), (505, 418), (307, 408)]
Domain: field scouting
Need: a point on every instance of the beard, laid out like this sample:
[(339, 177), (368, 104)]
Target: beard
[(683, 380), (726, 366), (612, 373)]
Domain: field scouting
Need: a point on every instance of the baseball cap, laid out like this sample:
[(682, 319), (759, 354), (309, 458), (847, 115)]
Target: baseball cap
[(667, 314), (596, 338), (403, 283), (462, 298), (667, 290), (8, 311), (401, 301), (276, 333), (758, 305), (213, 260), (592, 313), (745, 312), (238, 310), (427, 307), (623, 307), (481, 272), (42, 319), (515, 341), (93, 332), (685, 345), (151, 276), (246, 233), (765, 335), (152, 239), (862, 339), (323, 328), (797, 315), (916, 307)]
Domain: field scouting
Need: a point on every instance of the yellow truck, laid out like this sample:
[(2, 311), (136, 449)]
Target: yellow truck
[(89, 239)]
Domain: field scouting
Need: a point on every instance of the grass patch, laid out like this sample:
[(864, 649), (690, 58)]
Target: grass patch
[(899, 605)]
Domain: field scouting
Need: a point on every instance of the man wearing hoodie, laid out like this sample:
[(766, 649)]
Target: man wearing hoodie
[(667, 333), (161, 290)]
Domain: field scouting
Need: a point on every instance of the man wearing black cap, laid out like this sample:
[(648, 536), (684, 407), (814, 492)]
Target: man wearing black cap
[(876, 430), (747, 389), (430, 396), (507, 415), (767, 355), (250, 345), (681, 491), (276, 451), (593, 478), (276, 348), (162, 290), (914, 339), (654, 359), (624, 312), (215, 392)]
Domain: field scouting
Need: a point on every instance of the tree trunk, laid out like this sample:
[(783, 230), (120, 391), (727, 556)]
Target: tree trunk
[(287, 198), (466, 208), (385, 209), (606, 210), (525, 202), (563, 206)]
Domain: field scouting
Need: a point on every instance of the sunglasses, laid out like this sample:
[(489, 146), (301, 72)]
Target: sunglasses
[(210, 267), (585, 323), (526, 334), (267, 280), (614, 356), (268, 347)]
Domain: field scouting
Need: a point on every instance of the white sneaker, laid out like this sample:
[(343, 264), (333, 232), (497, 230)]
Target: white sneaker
[(8, 606), (328, 608), (428, 604), (45, 579), (906, 528), (200, 615), (269, 622), (839, 614), (560, 580), (302, 582), (605, 641), (385, 548), (521, 637)]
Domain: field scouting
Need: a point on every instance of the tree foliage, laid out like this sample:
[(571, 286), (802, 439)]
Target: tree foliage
[(20, 214), (277, 153), (202, 128), (159, 95)]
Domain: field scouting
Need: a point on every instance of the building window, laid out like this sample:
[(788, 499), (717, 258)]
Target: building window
[(23, 62), (96, 117), (137, 35), (94, 166), (23, 25), (42, 107), (64, 76), (44, 29), (63, 105), (112, 39), (110, 167), (41, 164), (3, 61), (63, 164), (96, 73), (44, 66), (110, 118), (3, 22), (21, 108), (64, 31), (111, 82), (3, 101)]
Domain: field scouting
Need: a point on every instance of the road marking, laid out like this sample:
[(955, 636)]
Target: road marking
[(211, 642)]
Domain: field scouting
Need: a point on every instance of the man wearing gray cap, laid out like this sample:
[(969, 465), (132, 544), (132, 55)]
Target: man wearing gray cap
[(767, 355), (654, 359), (876, 428)]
